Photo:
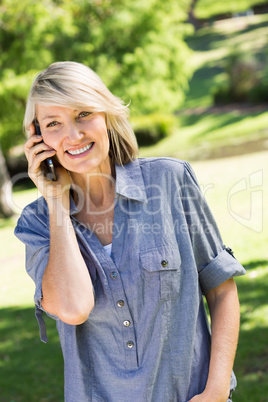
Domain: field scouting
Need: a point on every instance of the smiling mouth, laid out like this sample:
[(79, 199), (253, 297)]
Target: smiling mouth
[(81, 150)]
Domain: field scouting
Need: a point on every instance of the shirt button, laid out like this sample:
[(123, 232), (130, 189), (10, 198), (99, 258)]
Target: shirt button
[(164, 263), (126, 323), (130, 344), (120, 303), (113, 275)]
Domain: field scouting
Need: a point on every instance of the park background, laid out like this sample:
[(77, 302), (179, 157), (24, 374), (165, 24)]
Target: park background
[(196, 74)]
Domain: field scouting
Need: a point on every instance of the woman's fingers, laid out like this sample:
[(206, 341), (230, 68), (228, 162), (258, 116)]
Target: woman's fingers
[(36, 152), (37, 149), (37, 159)]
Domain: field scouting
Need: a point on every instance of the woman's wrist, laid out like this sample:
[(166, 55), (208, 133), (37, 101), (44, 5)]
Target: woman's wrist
[(59, 207), (216, 394)]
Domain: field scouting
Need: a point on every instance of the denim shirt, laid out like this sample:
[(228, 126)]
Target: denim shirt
[(147, 338)]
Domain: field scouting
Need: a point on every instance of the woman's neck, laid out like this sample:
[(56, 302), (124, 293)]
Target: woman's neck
[(96, 189)]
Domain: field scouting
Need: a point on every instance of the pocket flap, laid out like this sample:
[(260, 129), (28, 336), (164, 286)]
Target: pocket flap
[(162, 258)]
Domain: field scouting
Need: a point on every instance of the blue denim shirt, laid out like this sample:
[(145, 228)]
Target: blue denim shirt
[(147, 338)]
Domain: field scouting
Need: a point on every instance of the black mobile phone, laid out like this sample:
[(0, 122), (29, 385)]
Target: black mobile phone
[(48, 166)]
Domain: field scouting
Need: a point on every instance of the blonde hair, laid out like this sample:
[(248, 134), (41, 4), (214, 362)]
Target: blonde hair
[(74, 85)]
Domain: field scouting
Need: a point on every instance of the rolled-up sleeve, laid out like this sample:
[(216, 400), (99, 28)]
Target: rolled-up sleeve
[(32, 230), (214, 264), (220, 268)]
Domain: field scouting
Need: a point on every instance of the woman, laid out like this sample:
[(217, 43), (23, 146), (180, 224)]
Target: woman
[(121, 250)]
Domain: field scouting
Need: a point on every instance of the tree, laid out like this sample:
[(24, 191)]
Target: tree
[(191, 14), (5, 189), (136, 47)]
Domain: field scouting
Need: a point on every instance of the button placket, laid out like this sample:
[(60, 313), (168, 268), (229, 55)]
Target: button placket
[(111, 279), (125, 318)]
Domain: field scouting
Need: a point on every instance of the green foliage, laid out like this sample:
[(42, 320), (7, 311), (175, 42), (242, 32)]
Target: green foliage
[(149, 129), (260, 92), (137, 47), (13, 94)]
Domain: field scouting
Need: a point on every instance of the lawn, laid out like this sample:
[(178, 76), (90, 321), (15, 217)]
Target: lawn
[(236, 189), (210, 8), (30, 371)]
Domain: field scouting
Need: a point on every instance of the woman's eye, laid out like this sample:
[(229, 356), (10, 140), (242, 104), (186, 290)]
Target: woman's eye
[(52, 124), (84, 114)]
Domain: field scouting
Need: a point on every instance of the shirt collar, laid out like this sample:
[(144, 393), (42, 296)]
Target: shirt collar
[(129, 184), (129, 181)]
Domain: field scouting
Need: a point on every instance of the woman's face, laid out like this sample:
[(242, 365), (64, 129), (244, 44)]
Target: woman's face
[(79, 137)]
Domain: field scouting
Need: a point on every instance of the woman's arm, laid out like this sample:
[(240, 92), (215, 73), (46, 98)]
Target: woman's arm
[(67, 288), (66, 285), (225, 316)]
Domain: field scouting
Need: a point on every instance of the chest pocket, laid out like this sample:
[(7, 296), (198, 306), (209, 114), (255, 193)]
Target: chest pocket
[(161, 271)]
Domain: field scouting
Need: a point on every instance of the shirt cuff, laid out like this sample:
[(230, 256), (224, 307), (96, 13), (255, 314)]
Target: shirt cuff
[(38, 297), (221, 268)]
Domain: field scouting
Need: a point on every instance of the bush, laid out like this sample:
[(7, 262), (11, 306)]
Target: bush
[(259, 93), (222, 95), (242, 78), (149, 129)]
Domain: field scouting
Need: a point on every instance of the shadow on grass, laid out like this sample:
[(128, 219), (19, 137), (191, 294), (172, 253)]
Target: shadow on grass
[(30, 370), (251, 366), (205, 40), (22, 185), (208, 124), (202, 82), (253, 27), (255, 264)]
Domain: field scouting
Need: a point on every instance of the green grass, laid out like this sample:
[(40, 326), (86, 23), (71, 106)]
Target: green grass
[(210, 8), (251, 365), (30, 371), (199, 137)]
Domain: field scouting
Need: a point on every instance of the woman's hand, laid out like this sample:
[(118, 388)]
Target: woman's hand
[(36, 152), (204, 397)]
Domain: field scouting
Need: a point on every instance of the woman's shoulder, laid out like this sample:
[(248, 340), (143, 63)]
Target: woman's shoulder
[(162, 165), (34, 213)]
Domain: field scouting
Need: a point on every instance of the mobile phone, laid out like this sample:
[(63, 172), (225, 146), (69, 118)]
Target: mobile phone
[(48, 166)]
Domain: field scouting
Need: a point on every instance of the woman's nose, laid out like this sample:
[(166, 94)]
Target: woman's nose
[(74, 133)]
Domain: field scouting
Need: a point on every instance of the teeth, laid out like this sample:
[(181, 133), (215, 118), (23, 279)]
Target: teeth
[(81, 150)]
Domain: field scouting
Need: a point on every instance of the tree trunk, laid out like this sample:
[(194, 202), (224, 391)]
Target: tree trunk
[(5, 189), (191, 15)]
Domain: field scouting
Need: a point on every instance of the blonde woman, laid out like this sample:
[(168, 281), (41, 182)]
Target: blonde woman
[(122, 251)]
